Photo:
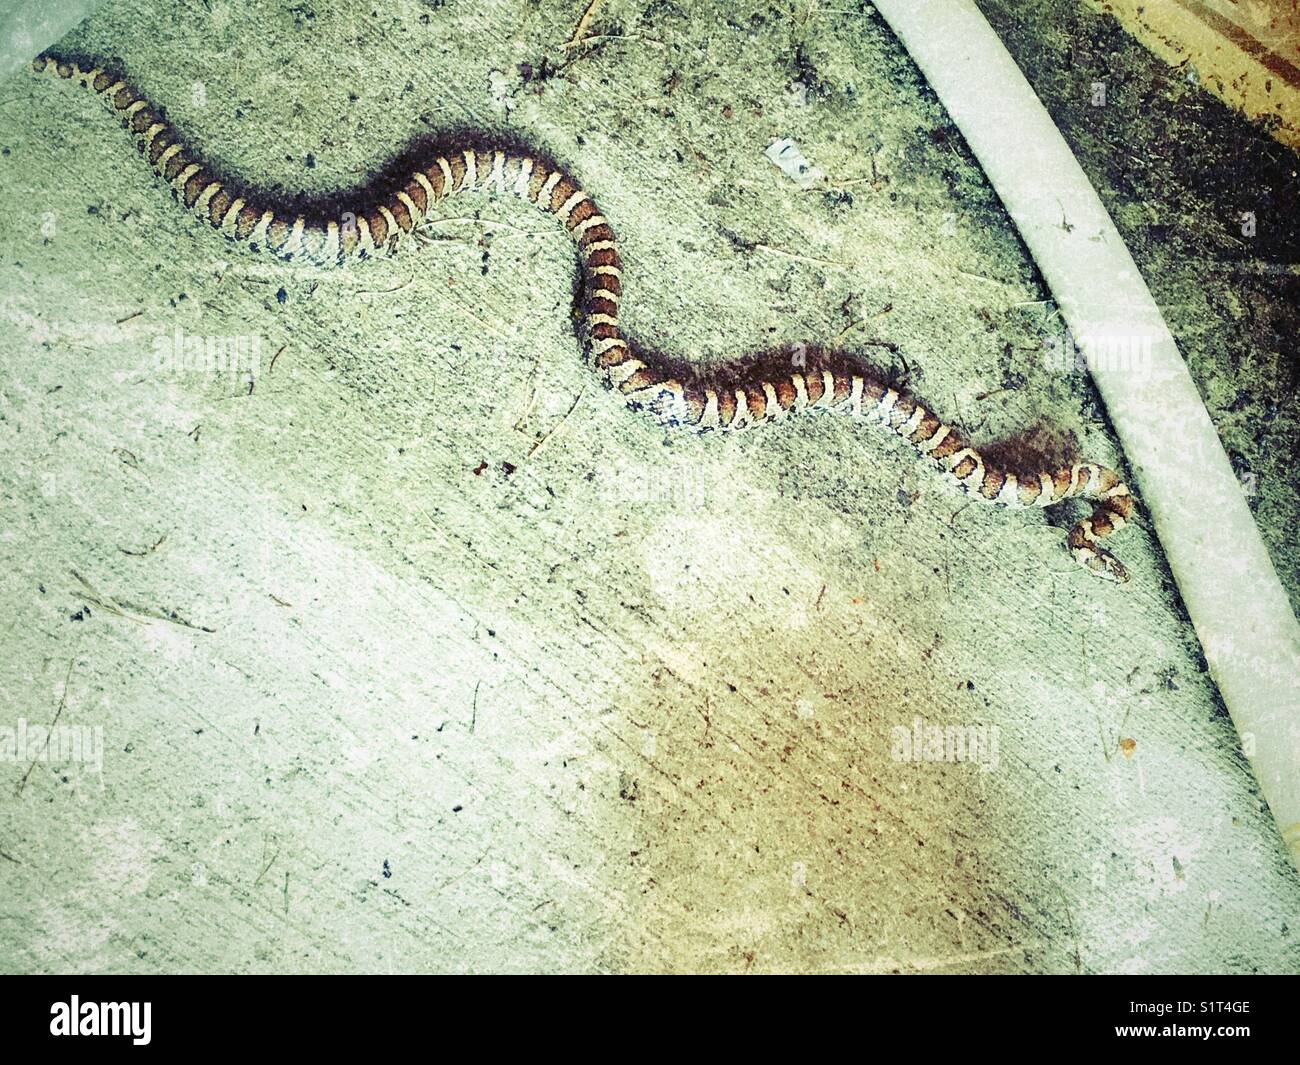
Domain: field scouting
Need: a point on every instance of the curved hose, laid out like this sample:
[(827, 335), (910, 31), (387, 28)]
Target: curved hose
[(1237, 604)]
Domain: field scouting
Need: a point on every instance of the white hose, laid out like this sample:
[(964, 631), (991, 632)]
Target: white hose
[(1185, 482)]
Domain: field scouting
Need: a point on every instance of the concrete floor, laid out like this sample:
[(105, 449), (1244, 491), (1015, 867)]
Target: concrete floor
[(415, 651)]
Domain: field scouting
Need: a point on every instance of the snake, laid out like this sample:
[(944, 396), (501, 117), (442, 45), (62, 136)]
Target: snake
[(729, 399)]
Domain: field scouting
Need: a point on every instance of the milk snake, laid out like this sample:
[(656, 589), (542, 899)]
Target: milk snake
[(730, 400)]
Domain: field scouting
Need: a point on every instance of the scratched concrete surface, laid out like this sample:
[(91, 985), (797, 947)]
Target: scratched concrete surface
[(412, 650)]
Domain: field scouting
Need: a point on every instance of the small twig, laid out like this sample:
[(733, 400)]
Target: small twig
[(555, 428), (528, 407), (244, 395), (600, 38), (802, 258), (583, 23), (384, 291), (147, 551), (981, 277), (63, 701), (130, 611), (532, 392), (853, 324), (267, 869), (481, 321), (463, 873), (826, 185), (99, 601), (486, 222), (127, 458), (1074, 935)]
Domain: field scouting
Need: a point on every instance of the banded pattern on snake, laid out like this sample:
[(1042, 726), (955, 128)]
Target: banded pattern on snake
[(732, 401)]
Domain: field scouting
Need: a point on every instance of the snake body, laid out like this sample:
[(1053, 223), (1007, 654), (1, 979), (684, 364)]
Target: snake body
[(730, 401)]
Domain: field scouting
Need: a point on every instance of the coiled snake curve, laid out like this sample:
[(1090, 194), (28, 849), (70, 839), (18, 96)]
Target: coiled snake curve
[(736, 399)]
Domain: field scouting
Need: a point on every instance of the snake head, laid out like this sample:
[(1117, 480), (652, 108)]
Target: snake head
[(1088, 552), (1101, 563)]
